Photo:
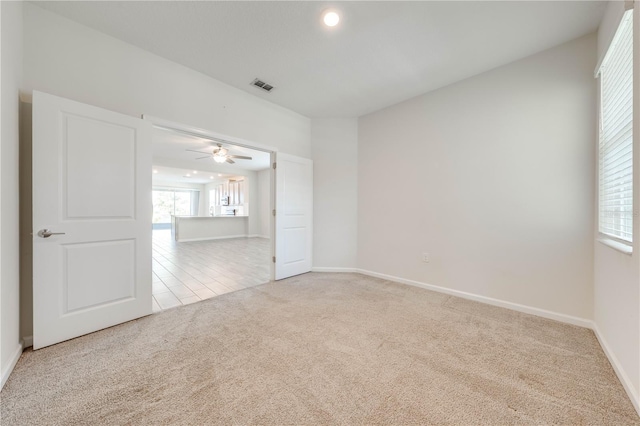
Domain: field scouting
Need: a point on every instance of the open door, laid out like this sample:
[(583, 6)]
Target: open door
[(91, 219), (294, 215)]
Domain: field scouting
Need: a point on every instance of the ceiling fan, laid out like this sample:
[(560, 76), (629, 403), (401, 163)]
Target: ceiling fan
[(220, 155)]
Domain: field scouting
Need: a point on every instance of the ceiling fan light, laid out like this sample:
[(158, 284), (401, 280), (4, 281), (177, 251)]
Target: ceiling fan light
[(219, 158)]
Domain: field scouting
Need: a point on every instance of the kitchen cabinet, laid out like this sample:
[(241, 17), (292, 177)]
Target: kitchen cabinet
[(236, 192), (232, 190)]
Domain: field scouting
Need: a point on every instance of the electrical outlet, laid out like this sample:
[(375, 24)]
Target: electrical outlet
[(425, 257)]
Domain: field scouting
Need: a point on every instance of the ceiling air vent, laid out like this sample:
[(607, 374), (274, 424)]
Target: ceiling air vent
[(261, 84)]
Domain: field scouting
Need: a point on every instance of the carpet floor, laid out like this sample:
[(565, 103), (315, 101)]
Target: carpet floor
[(323, 349)]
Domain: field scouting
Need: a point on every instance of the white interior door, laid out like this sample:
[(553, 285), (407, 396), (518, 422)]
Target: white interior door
[(294, 215), (92, 185)]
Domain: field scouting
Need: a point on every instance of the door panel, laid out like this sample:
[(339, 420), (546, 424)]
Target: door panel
[(94, 149), (294, 215), (116, 278), (92, 183)]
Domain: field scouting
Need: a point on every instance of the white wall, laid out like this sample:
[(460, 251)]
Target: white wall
[(334, 146), (493, 177), (10, 80), (73, 61), (617, 275), (264, 203)]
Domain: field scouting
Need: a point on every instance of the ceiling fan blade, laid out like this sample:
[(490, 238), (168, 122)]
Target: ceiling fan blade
[(192, 150), (200, 158), (230, 161), (239, 157)]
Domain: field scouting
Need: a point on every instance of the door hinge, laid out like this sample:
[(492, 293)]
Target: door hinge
[(274, 212), (274, 166), (274, 259)]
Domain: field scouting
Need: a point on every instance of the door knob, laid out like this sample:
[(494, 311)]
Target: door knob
[(45, 233)]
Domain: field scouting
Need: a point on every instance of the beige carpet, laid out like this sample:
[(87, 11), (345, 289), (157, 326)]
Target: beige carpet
[(323, 349)]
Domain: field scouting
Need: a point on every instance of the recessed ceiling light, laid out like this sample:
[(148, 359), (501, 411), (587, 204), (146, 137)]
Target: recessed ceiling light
[(188, 175), (330, 18), (195, 172), (210, 177), (155, 171), (219, 174)]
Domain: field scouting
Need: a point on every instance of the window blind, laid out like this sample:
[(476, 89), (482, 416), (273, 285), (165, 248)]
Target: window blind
[(616, 135)]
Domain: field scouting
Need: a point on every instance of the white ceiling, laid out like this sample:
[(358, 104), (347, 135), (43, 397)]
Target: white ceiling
[(167, 175), (170, 151), (381, 53)]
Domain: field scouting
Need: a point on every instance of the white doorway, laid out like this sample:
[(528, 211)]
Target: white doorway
[(291, 199), (91, 193), (212, 221)]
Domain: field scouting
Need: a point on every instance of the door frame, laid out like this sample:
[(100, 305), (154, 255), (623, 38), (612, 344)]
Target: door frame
[(163, 124)]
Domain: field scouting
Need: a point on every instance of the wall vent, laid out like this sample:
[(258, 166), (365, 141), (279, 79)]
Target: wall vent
[(261, 84)]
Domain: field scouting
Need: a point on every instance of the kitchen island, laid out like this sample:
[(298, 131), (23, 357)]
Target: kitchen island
[(198, 228)]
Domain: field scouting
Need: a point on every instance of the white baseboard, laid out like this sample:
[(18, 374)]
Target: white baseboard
[(330, 269), (622, 376), (263, 236), (14, 360), (581, 322), (27, 342)]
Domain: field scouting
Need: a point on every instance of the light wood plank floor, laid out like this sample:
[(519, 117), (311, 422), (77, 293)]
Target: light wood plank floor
[(188, 272)]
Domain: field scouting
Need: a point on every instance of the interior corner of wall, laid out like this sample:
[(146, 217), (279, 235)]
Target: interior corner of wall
[(25, 96)]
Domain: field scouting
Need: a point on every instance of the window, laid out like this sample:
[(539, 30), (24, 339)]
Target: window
[(615, 216), (169, 202)]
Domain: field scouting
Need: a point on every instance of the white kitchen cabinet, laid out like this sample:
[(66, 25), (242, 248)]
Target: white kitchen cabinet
[(236, 192)]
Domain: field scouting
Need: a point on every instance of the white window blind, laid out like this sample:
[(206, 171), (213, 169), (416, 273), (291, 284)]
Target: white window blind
[(616, 135)]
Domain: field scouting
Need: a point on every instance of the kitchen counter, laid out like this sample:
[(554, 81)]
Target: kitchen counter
[(197, 228)]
